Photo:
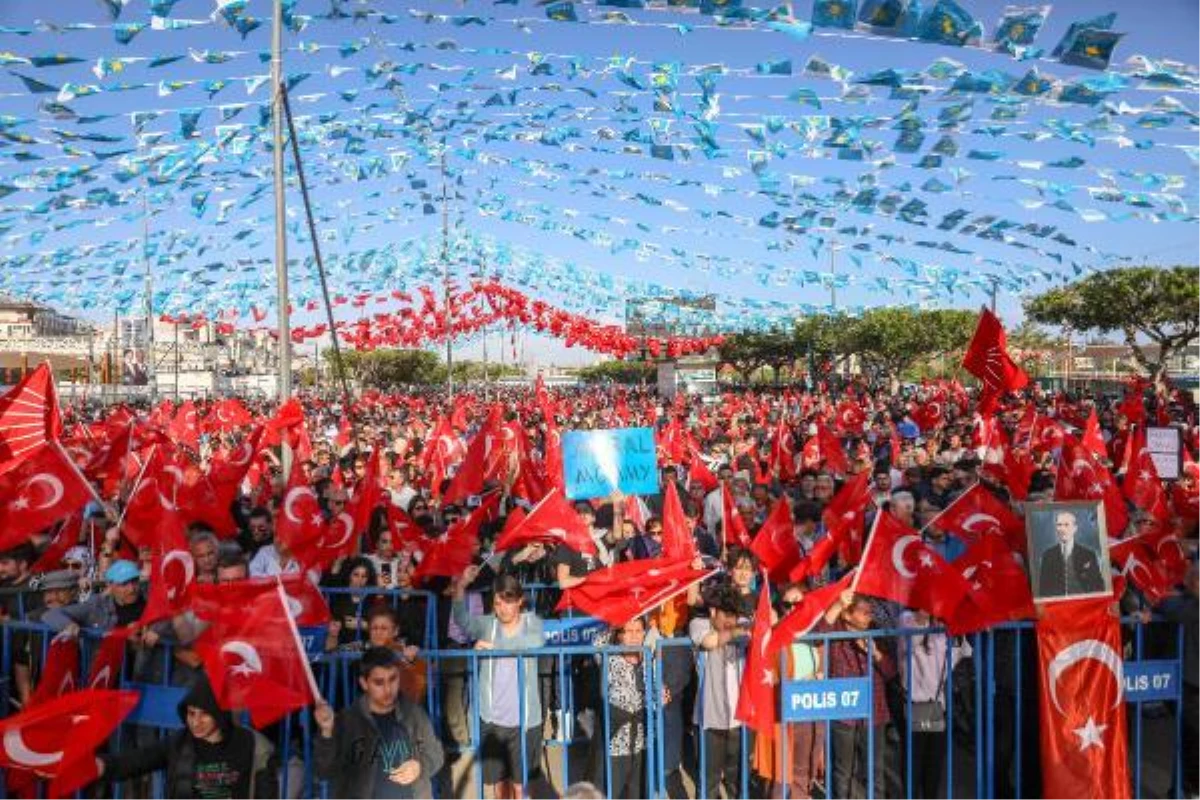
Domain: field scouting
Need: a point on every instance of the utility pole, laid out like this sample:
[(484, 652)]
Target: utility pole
[(995, 289), (151, 366), (177, 362), (446, 281), (281, 274)]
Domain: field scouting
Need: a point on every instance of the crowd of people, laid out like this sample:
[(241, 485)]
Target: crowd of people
[(415, 475)]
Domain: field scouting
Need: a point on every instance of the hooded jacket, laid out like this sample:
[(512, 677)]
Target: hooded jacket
[(347, 757), (177, 753)]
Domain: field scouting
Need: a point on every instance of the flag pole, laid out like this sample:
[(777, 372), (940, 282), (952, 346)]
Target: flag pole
[(281, 276), (308, 673)]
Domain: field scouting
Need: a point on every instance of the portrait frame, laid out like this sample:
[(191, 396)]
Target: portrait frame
[(1089, 572)]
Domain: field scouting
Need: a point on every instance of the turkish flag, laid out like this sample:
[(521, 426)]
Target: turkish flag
[(1082, 477), (553, 521), (304, 600), (976, 513), (733, 527), (698, 472), (29, 417), (299, 519), (228, 415), (929, 416), (1082, 712), (998, 590), (1092, 440), (758, 701), (987, 356), (552, 453), (368, 494), (485, 459), (254, 660), (831, 450), (629, 589), (43, 488), (1142, 486), (807, 613), (109, 660), (157, 490), (1136, 559), (59, 738), (172, 572), (69, 535), (846, 514), (185, 428), (775, 543), (677, 539), (453, 553), (898, 566), (851, 418), (60, 672)]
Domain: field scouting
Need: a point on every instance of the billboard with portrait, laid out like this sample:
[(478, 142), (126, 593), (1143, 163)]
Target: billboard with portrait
[(1068, 551)]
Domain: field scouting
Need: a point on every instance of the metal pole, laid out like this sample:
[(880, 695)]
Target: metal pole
[(151, 372), (995, 288), (446, 282), (177, 362), (281, 275), (832, 274)]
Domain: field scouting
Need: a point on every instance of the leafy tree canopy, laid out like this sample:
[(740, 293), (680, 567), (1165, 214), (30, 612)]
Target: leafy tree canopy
[(1143, 303)]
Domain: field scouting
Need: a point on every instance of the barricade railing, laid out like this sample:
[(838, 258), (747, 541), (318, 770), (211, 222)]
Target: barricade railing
[(367, 596), (989, 698)]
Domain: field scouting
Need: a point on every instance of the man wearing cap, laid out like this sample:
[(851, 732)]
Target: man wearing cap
[(57, 589), (120, 604)]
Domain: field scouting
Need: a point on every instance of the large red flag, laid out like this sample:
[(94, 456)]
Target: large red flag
[(1142, 486), (808, 612), (43, 488), (629, 589), (758, 702), (775, 543), (60, 672), (254, 660), (303, 598), (998, 590), (987, 356), (677, 538), (976, 513), (485, 459), (1082, 714), (898, 566), (733, 527), (29, 417), (1136, 559), (453, 553), (109, 660), (1092, 441), (553, 520), (1081, 477), (845, 516), (172, 571), (59, 738)]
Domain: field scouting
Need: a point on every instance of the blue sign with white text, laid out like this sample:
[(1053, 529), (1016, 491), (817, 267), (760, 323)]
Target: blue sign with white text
[(572, 630), (597, 463), (1148, 681), (831, 699)]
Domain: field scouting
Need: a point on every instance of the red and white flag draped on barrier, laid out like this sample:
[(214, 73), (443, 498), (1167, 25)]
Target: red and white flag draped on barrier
[(629, 589), (58, 739), (254, 659), (1082, 711)]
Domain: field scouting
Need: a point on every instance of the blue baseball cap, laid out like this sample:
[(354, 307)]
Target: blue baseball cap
[(122, 572)]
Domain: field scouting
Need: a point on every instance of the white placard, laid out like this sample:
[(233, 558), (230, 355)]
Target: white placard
[(1163, 446)]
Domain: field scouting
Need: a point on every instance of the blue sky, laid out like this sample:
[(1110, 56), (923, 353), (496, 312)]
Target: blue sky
[(759, 272)]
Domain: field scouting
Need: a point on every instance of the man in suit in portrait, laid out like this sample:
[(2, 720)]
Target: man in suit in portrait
[(1068, 567)]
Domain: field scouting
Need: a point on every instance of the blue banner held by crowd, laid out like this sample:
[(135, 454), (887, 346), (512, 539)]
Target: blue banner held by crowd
[(596, 463)]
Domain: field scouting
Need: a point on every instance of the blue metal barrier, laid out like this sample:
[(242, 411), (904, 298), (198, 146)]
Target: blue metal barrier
[(994, 726)]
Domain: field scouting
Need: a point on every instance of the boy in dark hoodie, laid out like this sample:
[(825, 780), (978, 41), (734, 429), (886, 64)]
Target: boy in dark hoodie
[(381, 746), (210, 758)]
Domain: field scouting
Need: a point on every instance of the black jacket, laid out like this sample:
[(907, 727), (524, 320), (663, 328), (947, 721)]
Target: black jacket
[(177, 753), (1080, 576), (347, 757)]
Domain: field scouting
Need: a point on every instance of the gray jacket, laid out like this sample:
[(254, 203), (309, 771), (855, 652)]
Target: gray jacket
[(486, 628), (348, 758)]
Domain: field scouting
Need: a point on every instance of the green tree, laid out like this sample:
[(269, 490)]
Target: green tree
[(625, 372), (819, 339), (1143, 303), (891, 340), (750, 351), (379, 368)]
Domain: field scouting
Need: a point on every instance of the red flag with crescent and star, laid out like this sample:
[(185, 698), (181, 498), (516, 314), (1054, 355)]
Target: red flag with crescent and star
[(1082, 700), (758, 704), (44, 488), (629, 589), (898, 566), (58, 739)]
